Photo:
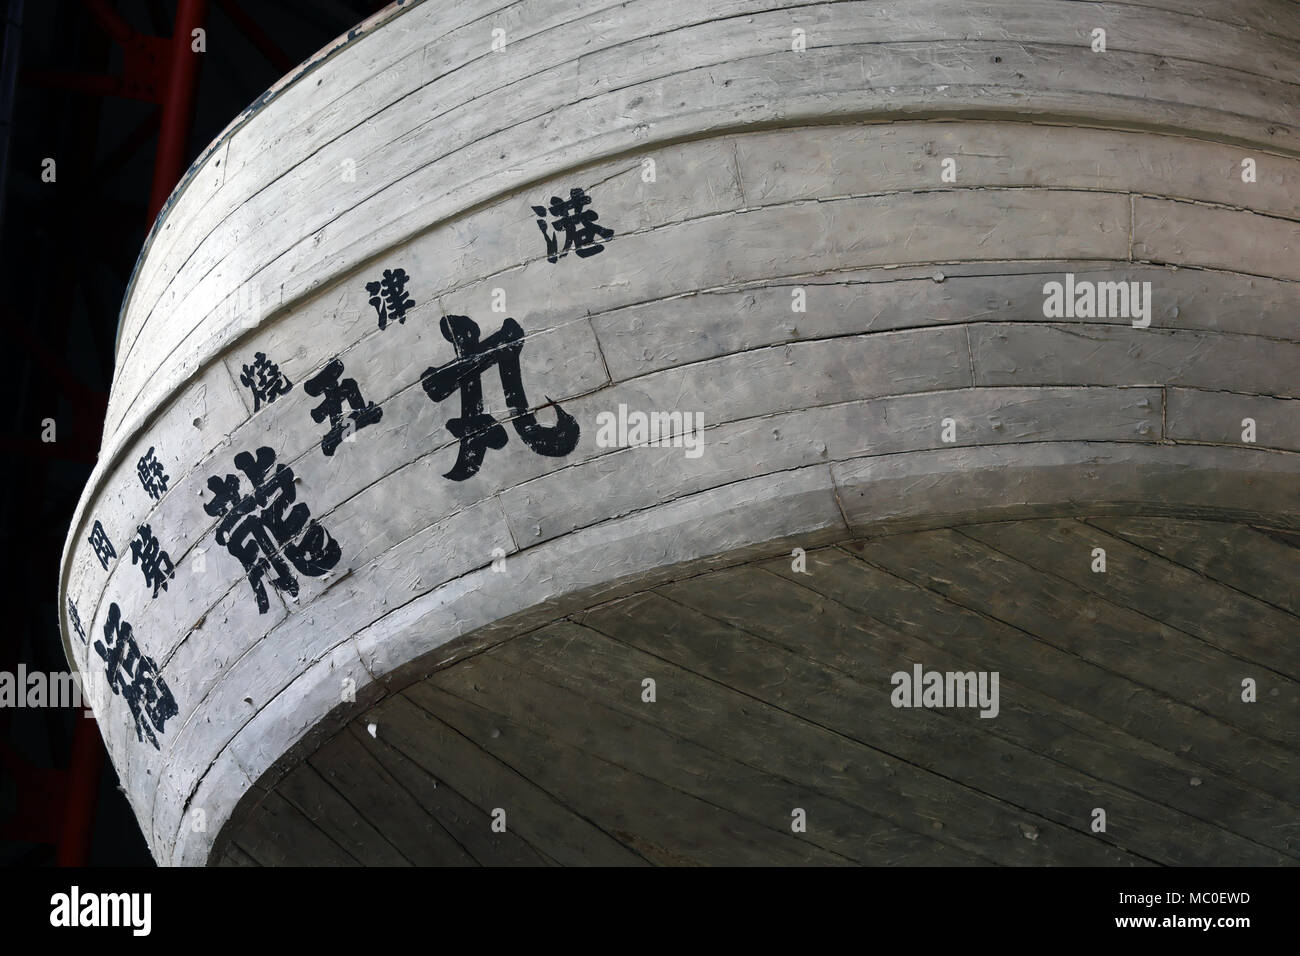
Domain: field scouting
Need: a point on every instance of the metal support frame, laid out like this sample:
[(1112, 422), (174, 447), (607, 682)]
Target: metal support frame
[(160, 70), (57, 805), (177, 83)]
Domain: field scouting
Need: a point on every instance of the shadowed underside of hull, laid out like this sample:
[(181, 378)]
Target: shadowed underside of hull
[(772, 695), (718, 433)]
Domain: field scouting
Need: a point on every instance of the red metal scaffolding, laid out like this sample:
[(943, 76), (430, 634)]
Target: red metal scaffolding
[(163, 71)]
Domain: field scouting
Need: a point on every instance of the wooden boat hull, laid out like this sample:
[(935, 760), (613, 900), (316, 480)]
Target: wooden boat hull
[(854, 240)]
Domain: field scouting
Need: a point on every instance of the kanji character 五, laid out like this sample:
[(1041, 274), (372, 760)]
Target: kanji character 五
[(333, 393)]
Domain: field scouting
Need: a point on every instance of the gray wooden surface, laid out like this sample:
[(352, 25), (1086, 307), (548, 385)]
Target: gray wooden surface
[(777, 172), (772, 692)]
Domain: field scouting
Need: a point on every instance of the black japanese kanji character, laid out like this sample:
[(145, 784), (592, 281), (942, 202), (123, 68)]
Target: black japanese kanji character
[(579, 227), (264, 380), (75, 619), (333, 393), (389, 297), (100, 544), (135, 677), (477, 430), (262, 530), (152, 476), (154, 562)]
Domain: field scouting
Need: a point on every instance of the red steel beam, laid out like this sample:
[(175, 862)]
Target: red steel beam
[(177, 103), (166, 72), (84, 766), (38, 790)]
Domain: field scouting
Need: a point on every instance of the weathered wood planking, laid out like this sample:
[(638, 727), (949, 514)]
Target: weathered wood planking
[(746, 719), (661, 823), (340, 819), (250, 686), (639, 339), (465, 824), (355, 356), (1195, 235), (354, 474), (1220, 418), (874, 781), (686, 765), (939, 21), (276, 290), (560, 502), (281, 834), (850, 233), (837, 161), (1265, 16), (1255, 260), (234, 856), (485, 781), (923, 383), (1052, 354), (1242, 558), (766, 741), (849, 645), (1113, 729), (1106, 634), (1244, 626), (957, 486)]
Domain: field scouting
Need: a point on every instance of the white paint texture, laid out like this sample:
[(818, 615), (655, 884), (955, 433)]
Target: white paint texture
[(775, 170)]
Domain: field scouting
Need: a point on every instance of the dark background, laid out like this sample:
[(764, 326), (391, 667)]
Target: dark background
[(68, 249)]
